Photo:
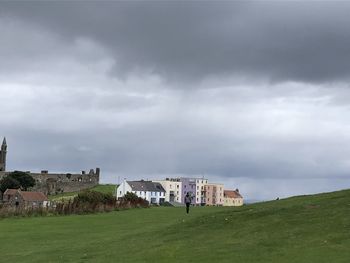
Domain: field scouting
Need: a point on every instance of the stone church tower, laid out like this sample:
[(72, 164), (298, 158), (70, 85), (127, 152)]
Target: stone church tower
[(3, 153)]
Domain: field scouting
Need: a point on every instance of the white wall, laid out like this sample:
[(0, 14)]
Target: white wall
[(122, 189), (200, 183)]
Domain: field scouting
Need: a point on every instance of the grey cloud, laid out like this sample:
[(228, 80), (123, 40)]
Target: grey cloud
[(192, 41)]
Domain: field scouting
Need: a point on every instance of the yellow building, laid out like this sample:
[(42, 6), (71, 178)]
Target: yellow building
[(232, 198)]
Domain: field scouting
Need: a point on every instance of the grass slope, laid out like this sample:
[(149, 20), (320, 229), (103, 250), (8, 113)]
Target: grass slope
[(299, 229), (103, 188)]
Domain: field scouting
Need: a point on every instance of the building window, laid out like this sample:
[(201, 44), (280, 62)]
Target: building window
[(120, 192), (177, 186), (197, 199), (197, 187)]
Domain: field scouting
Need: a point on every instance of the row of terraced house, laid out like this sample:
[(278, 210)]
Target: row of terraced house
[(174, 190)]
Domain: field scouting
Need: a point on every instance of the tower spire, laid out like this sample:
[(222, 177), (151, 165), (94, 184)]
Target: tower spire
[(3, 153)]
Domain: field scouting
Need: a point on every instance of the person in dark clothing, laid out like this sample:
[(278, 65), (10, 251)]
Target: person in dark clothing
[(188, 200)]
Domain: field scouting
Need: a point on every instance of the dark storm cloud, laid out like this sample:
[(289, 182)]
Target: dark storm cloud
[(180, 41), (86, 84)]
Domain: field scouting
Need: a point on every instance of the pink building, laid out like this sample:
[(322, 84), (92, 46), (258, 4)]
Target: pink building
[(214, 194)]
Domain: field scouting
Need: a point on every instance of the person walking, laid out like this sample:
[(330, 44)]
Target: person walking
[(188, 200)]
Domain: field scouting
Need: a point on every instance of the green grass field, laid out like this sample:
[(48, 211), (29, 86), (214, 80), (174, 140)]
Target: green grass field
[(300, 229), (103, 188)]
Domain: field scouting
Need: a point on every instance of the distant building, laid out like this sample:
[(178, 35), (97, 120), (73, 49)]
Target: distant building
[(200, 191), (55, 183), (188, 186), (172, 187), (3, 153), (153, 192), (214, 194), (232, 198), (24, 199)]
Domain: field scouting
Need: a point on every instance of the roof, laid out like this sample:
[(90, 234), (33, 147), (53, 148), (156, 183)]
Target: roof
[(146, 186), (10, 191), (33, 196), (232, 194)]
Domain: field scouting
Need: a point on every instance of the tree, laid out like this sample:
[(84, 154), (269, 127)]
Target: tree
[(24, 179), (15, 180), (130, 197), (8, 183)]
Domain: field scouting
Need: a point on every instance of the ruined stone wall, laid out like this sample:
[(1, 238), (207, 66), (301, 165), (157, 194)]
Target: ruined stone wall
[(56, 183)]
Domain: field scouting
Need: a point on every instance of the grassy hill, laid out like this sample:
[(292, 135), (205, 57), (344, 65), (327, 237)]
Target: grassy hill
[(300, 229), (103, 188)]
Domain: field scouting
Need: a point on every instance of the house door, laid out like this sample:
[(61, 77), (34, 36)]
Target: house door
[(172, 196)]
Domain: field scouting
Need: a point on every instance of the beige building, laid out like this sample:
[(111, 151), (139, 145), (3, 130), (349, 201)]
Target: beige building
[(232, 198), (214, 194), (173, 189)]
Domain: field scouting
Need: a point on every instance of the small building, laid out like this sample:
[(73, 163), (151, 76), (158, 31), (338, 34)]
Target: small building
[(24, 199), (232, 198), (173, 189), (153, 192)]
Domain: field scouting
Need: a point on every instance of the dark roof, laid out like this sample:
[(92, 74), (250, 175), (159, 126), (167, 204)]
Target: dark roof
[(27, 196), (33, 196), (232, 194), (146, 186), (10, 191)]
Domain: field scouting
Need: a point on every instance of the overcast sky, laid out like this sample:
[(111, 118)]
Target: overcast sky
[(254, 95)]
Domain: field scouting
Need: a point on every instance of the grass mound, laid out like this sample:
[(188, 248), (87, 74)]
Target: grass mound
[(102, 188), (299, 229)]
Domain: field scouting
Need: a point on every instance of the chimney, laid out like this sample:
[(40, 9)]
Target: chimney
[(98, 171), (237, 190)]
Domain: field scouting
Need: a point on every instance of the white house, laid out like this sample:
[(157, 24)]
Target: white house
[(200, 191), (173, 189), (153, 192)]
